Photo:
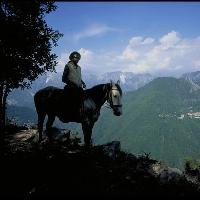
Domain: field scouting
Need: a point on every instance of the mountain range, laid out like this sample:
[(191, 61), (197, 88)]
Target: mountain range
[(129, 82), (161, 118)]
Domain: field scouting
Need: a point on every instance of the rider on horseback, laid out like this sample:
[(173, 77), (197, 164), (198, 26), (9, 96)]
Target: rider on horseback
[(72, 77)]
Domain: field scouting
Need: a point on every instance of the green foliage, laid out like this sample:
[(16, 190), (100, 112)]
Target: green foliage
[(13, 127), (192, 166), (22, 114), (25, 41)]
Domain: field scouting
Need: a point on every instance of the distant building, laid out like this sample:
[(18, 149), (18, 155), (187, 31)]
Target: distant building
[(195, 115), (181, 117)]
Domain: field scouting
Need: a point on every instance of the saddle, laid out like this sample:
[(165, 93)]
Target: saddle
[(75, 98)]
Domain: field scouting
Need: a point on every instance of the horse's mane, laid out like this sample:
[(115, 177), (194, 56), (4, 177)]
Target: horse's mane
[(119, 88), (98, 87), (95, 88)]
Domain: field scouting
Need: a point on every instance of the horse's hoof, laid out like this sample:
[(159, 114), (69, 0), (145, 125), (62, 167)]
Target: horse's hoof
[(87, 147), (40, 140)]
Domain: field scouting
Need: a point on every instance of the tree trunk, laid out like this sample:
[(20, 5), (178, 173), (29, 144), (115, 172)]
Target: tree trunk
[(1, 109), (4, 90), (5, 95)]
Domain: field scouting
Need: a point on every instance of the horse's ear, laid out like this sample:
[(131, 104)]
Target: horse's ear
[(118, 82), (111, 82)]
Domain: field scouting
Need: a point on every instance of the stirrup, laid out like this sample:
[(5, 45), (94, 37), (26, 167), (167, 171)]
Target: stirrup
[(81, 110)]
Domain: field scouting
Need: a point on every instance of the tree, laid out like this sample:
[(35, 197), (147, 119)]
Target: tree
[(26, 42)]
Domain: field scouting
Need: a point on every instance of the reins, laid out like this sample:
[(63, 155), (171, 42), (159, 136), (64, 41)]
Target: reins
[(109, 103)]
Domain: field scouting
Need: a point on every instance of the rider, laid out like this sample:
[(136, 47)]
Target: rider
[(72, 77)]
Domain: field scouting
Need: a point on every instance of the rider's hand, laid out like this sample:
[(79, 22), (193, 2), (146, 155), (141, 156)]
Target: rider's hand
[(84, 85)]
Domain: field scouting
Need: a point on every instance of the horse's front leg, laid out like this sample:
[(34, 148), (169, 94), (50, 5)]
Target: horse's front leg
[(41, 117), (49, 124), (87, 132)]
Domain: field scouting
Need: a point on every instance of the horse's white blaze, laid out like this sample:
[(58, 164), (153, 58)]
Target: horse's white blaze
[(116, 97), (116, 100)]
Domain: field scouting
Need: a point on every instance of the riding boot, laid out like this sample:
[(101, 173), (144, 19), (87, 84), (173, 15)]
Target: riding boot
[(81, 102)]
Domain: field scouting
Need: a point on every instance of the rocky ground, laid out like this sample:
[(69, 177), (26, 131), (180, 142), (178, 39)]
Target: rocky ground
[(64, 168)]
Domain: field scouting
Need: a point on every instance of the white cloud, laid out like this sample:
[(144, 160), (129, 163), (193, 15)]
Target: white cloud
[(93, 30), (196, 64), (137, 41), (86, 59), (135, 47), (148, 41), (168, 55), (169, 40), (62, 61)]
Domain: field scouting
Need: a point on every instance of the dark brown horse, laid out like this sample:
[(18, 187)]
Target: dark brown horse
[(53, 102)]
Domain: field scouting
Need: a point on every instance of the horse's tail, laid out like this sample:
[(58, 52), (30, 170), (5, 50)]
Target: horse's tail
[(37, 101), (43, 96), (40, 99)]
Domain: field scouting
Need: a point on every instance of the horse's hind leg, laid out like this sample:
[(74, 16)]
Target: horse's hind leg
[(87, 132), (41, 117), (49, 124)]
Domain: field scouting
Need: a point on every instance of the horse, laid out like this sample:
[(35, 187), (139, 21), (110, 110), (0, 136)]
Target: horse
[(52, 101)]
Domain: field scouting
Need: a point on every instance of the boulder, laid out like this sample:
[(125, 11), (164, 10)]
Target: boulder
[(112, 149), (166, 174)]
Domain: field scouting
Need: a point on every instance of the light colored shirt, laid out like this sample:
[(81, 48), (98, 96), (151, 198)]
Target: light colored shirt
[(72, 73)]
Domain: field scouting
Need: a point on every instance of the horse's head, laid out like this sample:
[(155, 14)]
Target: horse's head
[(114, 98)]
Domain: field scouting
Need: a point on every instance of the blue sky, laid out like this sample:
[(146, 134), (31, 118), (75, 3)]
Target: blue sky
[(161, 38)]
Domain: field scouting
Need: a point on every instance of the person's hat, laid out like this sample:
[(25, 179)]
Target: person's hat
[(75, 54)]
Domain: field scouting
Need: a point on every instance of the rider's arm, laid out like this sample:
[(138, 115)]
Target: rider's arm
[(65, 74), (83, 83)]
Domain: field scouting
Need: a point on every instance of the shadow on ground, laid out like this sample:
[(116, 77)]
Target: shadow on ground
[(64, 168)]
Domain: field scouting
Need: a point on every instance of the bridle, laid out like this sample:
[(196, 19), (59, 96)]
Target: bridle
[(110, 100)]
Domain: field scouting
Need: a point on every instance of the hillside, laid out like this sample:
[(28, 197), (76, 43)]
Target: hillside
[(64, 168), (155, 120), (22, 114)]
